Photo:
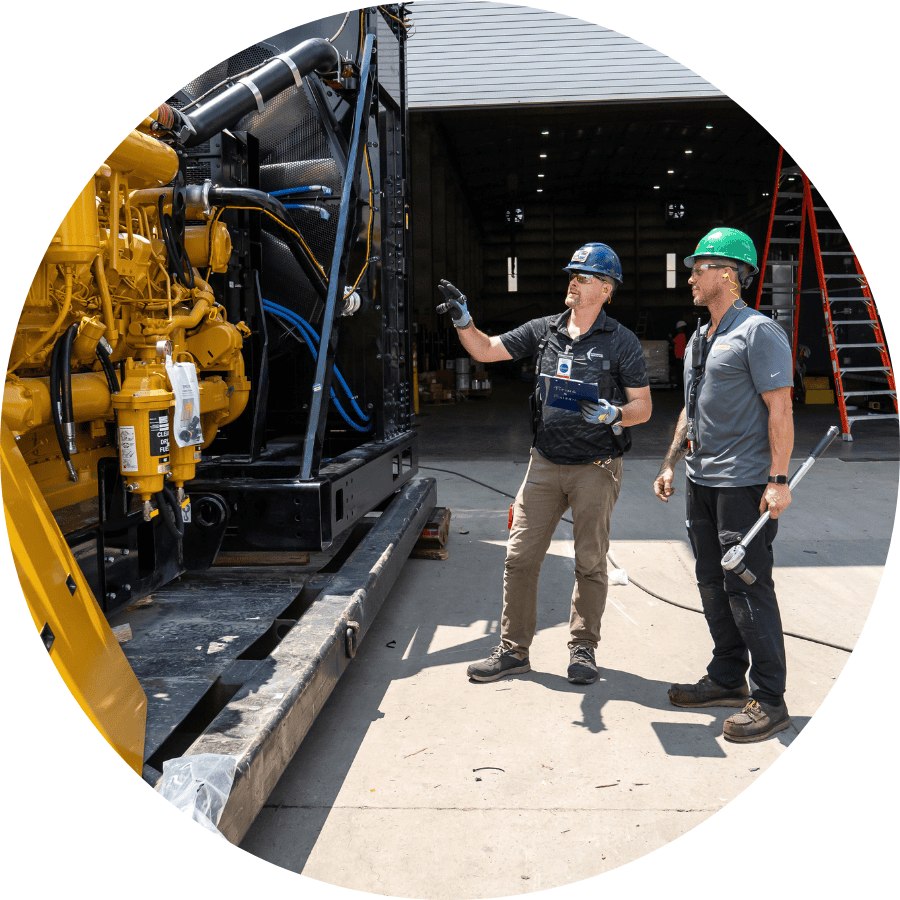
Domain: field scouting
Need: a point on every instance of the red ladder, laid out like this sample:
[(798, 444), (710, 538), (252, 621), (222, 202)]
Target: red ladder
[(851, 317)]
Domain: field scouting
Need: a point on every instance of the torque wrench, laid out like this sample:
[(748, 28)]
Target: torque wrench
[(733, 560)]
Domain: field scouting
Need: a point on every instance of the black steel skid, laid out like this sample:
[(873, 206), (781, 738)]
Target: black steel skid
[(270, 507), (265, 702)]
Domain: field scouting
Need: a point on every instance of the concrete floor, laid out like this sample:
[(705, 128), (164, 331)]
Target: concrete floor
[(416, 782)]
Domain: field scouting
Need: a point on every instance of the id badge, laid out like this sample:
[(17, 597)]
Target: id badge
[(564, 365)]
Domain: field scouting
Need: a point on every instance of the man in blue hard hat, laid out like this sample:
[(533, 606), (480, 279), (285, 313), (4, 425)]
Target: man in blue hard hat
[(736, 434), (576, 455)]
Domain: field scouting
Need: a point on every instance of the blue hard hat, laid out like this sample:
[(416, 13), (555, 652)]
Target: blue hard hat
[(596, 259)]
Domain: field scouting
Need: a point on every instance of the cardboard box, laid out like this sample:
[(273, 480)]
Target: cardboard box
[(820, 396), (817, 383)]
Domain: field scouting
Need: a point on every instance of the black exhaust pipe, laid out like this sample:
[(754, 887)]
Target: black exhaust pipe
[(250, 93)]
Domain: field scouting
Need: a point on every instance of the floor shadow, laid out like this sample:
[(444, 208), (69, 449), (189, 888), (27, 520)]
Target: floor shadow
[(798, 723), (679, 739)]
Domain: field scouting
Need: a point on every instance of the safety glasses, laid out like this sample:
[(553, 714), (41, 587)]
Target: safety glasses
[(581, 277), (698, 270)]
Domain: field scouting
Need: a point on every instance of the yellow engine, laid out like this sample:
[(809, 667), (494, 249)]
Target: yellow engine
[(121, 352), (117, 305)]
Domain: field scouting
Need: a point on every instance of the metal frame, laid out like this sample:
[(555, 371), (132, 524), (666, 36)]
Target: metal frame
[(271, 507), (318, 409)]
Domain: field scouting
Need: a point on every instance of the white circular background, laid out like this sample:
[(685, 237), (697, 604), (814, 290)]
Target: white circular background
[(78, 76)]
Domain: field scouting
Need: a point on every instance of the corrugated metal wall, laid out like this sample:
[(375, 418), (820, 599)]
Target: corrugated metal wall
[(470, 55), (466, 53)]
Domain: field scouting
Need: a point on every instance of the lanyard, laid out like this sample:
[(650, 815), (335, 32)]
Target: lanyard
[(699, 356)]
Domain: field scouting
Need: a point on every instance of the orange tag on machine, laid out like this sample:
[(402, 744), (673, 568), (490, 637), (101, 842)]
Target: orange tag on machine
[(509, 523)]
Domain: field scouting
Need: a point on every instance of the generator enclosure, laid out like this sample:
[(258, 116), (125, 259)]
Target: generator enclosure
[(214, 356)]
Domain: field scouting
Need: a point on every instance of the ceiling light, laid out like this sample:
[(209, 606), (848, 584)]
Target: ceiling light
[(540, 190), (543, 156), (655, 187), (688, 151), (671, 172), (540, 176), (545, 132), (708, 127)]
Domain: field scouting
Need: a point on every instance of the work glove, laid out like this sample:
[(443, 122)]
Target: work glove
[(601, 413), (455, 304)]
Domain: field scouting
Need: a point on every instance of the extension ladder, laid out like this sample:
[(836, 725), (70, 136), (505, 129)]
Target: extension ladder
[(851, 317), (642, 324)]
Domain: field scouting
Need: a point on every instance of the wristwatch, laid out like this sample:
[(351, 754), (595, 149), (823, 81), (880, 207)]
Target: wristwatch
[(778, 479)]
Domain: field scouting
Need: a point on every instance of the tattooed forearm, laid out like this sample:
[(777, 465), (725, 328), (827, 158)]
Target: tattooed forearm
[(677, 450)]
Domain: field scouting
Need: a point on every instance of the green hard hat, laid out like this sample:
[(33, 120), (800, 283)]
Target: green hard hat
[(727, 242)]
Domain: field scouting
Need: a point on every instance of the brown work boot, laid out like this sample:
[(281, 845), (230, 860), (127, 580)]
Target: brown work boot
[(707, 692), (755, 722)]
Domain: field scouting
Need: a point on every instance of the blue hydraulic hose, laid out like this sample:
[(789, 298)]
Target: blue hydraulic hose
[(306, 189), (337, 403), (292, 319), (309, 332)]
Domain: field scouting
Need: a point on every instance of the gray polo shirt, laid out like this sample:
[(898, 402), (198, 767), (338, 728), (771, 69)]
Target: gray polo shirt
[(749, 355)]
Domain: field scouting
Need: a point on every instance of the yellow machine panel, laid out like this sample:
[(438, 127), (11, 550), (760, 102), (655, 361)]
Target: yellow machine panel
[(117, 305), (74, 629)]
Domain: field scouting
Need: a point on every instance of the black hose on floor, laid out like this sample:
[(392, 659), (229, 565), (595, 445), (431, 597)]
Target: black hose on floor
[(802, 637)]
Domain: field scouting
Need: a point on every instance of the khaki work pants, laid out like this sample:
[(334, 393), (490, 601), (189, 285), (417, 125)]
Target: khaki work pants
[(548, 490)]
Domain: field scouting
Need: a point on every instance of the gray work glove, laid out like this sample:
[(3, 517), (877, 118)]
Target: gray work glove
[(455, 304), (600, 413)]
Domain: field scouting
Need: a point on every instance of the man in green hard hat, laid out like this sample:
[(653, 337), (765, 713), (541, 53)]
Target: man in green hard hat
[(736, 433)]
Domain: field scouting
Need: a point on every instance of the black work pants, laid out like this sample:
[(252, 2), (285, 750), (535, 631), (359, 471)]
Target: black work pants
[(743, 619)]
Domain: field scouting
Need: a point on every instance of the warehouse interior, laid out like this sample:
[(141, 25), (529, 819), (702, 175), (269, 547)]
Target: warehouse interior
[(535, 184), (532, 184)]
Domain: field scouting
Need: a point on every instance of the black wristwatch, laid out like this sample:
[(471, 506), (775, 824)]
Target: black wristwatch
[(778, 479)]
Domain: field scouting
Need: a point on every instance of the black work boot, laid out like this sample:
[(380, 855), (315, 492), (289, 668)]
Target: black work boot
[(582, 668), (707, 692), (501, 662), (755, 722)]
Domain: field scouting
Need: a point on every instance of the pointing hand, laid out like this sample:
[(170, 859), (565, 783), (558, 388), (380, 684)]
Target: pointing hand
[(455, 303)]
